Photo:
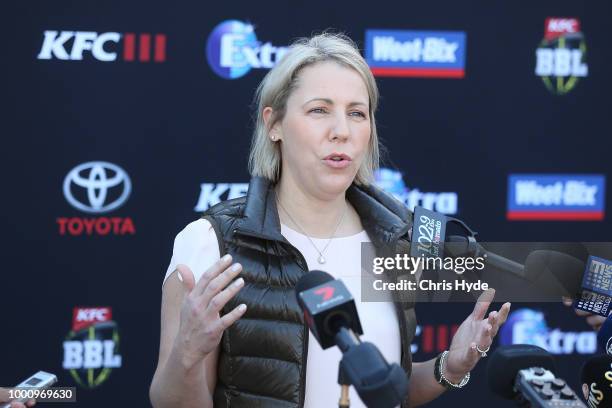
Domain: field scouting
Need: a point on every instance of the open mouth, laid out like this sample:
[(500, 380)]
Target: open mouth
[(337, 160)]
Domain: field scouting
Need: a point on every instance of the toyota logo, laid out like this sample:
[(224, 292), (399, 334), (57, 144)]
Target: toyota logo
[(103, 187)]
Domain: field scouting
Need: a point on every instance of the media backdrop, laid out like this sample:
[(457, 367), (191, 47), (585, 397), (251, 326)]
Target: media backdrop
[(124, 121)]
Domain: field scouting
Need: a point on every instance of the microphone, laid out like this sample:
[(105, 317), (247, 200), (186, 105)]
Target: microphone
[(464, 246), (331, 314), (557, 270), (555, 273), (596, 379), (328, 307), (429, 239), (604, 336), (524, 373)]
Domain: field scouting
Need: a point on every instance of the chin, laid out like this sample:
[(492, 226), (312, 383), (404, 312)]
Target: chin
[(334, 184)]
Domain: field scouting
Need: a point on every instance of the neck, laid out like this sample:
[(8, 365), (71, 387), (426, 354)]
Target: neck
[(316, 216)]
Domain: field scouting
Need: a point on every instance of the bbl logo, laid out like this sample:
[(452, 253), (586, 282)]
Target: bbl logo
[(561, 56), (91, 349)]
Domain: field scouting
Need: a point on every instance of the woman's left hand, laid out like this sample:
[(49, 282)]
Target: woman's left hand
[(476, 330)]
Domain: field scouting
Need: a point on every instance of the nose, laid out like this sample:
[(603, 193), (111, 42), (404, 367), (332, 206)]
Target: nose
[(340, 130)]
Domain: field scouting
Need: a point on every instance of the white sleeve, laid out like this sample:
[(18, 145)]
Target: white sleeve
[(195, 246)]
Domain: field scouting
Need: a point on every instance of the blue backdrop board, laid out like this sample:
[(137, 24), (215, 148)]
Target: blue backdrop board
[(123, 121)]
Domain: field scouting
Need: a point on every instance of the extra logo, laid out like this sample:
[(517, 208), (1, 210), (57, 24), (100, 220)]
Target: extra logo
[(106, 47), (392, 182), (566, 197), (404, 53), (96, 188), (91, 349), (528, 326), (561, 55), (232, 50)]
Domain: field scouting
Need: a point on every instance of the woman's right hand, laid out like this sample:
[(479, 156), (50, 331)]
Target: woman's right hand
[(201, 325)]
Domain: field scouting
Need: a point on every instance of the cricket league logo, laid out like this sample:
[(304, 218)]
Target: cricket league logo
[(91, 349), (561, 56)]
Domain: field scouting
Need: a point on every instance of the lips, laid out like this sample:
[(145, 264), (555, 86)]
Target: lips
[(337, 160)]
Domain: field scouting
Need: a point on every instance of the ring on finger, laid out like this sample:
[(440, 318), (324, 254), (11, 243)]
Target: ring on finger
[(483, 353)]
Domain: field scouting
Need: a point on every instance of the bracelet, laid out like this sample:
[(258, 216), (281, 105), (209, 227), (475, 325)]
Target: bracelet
[(439, 373)]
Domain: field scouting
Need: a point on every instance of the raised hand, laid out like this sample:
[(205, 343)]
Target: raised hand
[(201, 326), (475, 331)]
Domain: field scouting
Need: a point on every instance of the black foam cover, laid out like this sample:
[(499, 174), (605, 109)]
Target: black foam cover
[(575, 249), (596, 373), (327, 305), (506, 361), (312, 279), (555, 271)]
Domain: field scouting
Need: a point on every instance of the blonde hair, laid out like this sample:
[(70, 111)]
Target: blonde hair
[(278, 84)]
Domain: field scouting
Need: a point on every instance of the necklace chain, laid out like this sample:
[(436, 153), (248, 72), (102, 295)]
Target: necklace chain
[(321, 258)]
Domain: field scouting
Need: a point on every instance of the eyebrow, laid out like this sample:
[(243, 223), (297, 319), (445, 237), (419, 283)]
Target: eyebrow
[(330, 102)]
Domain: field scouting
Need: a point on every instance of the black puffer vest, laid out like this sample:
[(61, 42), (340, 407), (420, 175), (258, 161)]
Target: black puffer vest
[(262, 361)]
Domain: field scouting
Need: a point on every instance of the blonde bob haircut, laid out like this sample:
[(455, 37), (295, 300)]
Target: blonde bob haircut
[(279, 83)]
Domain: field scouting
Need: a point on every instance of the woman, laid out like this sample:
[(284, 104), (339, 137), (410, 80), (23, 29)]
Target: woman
[(232, 333)]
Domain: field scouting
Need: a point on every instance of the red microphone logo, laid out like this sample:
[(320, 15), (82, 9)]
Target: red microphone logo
[(326, 291)]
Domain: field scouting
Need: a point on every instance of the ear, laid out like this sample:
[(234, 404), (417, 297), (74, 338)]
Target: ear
[(274, 131)]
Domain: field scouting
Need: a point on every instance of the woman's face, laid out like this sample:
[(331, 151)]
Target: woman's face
[(326, 129)]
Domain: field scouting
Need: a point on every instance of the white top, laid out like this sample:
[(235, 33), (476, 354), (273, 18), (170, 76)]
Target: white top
[(196, 246)]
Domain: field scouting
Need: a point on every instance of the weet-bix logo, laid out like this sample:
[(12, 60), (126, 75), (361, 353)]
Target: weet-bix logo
[(577, 197), (404, 53)]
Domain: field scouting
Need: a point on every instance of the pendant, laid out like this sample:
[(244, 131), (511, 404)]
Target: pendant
[(321, 259)]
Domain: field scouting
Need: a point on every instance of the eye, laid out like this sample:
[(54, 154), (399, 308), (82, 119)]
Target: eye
[(358, 114), (317, 110)]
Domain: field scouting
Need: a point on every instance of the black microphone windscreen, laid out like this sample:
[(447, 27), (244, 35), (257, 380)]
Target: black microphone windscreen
[(506, 361), (575, 249), (312, 279), (596, 373), (553, 269)]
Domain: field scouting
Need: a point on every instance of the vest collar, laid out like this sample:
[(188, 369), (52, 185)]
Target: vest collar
[(384, 218)]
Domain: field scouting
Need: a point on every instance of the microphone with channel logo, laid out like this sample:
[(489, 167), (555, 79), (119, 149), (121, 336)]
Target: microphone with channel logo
[(429, 239), (596, 379), (331, 314)]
